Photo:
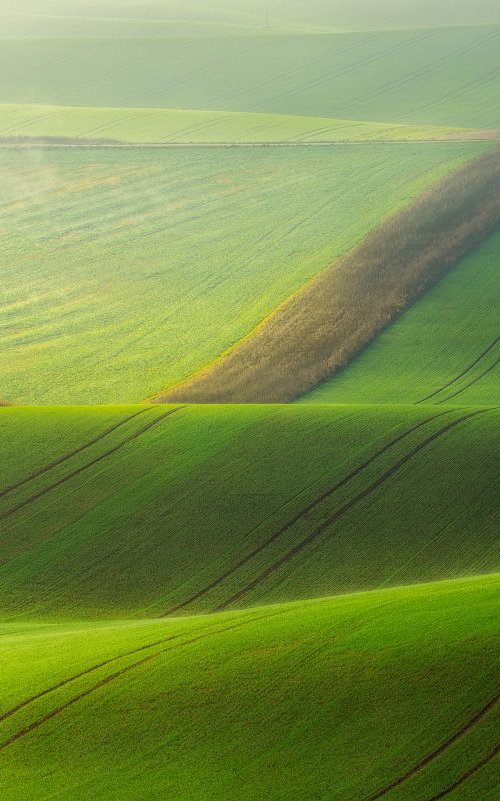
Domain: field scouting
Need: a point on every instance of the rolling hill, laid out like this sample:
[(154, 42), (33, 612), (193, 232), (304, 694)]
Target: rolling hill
[(444, 349), (445, 77), (392, 694), (130, 511), (187, 273), (28, 124)]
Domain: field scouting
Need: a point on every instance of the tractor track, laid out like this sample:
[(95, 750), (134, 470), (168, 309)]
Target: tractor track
[(441, 749), (471, 383), (299, 515), (112, 677), (347, 507), (9, 512), (71, 454), (462, 374), (468, 774)]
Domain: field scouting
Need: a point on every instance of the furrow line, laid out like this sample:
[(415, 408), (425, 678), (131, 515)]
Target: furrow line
[(468, 774), (471, 383), (445, 746), (71, 454), (299, 515), (462, 374), (347, 507), (109, 679), (85, 467)]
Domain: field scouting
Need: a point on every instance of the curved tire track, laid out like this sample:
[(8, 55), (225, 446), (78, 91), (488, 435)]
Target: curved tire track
[(85, 467), (419, 766), (462, 374), (71, 454), (474, 381), (299, 515), (317, 532), (468, 774), (108, 679)]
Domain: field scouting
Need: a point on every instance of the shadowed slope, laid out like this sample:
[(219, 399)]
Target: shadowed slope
[(148, 510), (331, 319)]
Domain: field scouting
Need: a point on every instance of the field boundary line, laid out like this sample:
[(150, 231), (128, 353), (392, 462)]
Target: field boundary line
[(71, 454), (347, 507), (445, 746), (85, 467), (300, 514)]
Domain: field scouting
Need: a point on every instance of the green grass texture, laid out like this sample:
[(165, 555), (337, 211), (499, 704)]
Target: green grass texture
[(143, 125), (157, 19), (387, 694), (444, 349), (130, 511), (446, 77), (140, 267)]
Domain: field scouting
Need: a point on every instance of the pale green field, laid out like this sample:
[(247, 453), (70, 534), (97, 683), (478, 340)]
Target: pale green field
[(444, 77), (444, 349), (126, 271), (143, 125), (155, 18)]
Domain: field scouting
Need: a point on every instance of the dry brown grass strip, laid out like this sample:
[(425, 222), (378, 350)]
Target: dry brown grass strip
[(332, 318)]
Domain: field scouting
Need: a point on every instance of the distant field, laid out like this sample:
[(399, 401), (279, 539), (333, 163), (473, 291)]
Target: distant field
[(144, 125), (445, 77), (358, 694), (445, 349), (120, 511), (140, 267), (129, 18)]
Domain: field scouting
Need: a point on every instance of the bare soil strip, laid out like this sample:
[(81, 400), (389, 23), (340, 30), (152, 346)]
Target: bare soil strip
[(71, 454), (462, 374), (468, 774), (85, 467), (300, 514), (332, 318), (458, 735), (347, 507), (108, 679)]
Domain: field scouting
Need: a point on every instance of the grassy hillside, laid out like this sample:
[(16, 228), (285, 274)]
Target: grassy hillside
[(107, 511), (143, 125), (138, 268), (445, 349), (155, 18), (321, 329), (386, 694), (426, 77)]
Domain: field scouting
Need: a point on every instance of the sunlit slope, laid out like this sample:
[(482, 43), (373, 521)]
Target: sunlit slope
[(427, 77), (444, 349), (25, 124), (149, 510), (155, 18), (386, 695), (125, 272)]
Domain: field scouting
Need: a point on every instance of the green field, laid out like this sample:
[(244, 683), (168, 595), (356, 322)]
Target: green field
[(140, 267), (155, 18), (105, 512), (446, 77), (342, 698), (143, 125), (445, 349)]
